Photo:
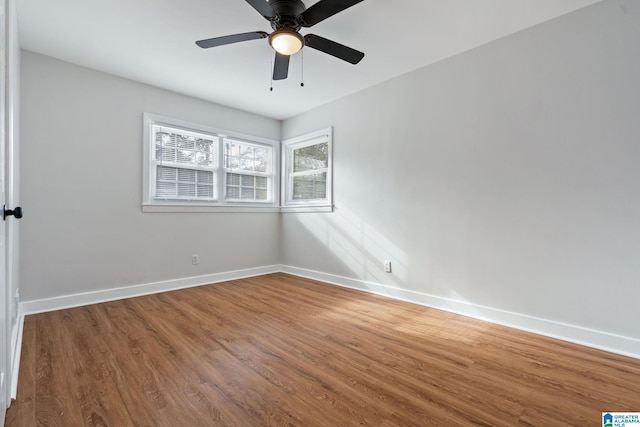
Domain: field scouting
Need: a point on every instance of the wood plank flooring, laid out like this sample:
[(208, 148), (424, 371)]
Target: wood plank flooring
[(279, 350)]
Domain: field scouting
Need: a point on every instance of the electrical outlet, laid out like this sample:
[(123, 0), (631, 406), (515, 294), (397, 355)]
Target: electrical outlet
[(195, 259), (387, 266)]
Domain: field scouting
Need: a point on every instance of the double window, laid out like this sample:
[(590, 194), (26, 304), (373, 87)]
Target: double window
[(190, 167)]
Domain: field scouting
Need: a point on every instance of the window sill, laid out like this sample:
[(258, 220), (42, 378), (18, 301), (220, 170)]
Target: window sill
[(157, 208), (208, 208), (307, 208)]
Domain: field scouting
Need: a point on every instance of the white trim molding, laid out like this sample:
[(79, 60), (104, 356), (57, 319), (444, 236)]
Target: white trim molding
[(87, 298), (169, 208), (626, 346), (623, 345), (16, 348)]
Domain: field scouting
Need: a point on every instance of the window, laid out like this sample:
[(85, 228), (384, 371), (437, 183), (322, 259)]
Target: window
[(185, 170), (183, 164), (306, 173), (248, 171)]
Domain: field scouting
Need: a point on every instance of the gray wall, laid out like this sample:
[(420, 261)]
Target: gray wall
[(83, 228), (507, 176)]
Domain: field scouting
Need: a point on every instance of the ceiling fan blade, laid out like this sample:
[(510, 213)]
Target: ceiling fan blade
[(235, 38), (323, 10), (263, 8), (281, 67), (334, 49)]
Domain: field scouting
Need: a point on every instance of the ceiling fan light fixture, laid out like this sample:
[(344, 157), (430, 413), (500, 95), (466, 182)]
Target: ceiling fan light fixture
[(286, 42)]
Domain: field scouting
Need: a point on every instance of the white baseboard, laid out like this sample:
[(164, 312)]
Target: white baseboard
[(618, 344), (87, 298), (613, 343), (16, 351)]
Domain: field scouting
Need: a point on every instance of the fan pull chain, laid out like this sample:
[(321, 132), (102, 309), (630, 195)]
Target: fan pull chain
[(302, 68), (271, 72)]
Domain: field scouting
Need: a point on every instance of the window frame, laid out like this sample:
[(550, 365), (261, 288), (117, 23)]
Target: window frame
[(288, 147), (151, 204)]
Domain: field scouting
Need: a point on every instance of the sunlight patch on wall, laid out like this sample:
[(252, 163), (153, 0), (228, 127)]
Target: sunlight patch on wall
[(363, 250), (358, 245)]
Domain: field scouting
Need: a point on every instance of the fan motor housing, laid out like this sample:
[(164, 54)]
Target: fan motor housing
[(287, 12)]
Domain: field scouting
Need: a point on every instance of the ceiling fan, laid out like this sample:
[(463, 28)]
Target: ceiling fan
[(286, 18)]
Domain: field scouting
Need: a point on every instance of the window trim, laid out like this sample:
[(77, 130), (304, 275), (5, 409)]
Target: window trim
[(219, 205), (289, 205)]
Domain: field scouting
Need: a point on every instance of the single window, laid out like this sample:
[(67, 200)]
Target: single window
[(248, 171), (184, 164), (307, 170)]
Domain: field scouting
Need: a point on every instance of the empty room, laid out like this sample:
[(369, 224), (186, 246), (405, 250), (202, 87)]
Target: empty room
[(320, 213)]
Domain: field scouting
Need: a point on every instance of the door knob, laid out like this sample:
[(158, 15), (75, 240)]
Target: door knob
[(17, 212)]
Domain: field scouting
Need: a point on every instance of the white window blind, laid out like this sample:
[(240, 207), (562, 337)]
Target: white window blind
[(309, 174), (185, 164)]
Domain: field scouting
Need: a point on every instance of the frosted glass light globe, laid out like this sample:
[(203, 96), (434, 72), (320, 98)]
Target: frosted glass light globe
[(286, 42)]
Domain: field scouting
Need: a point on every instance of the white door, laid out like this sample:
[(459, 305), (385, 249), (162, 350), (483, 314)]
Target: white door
[(5, 345)]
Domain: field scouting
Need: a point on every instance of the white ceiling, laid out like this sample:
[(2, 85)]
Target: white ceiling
[(152, 41)]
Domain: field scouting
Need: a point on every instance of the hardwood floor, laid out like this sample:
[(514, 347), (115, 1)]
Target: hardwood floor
[(284, 351)]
